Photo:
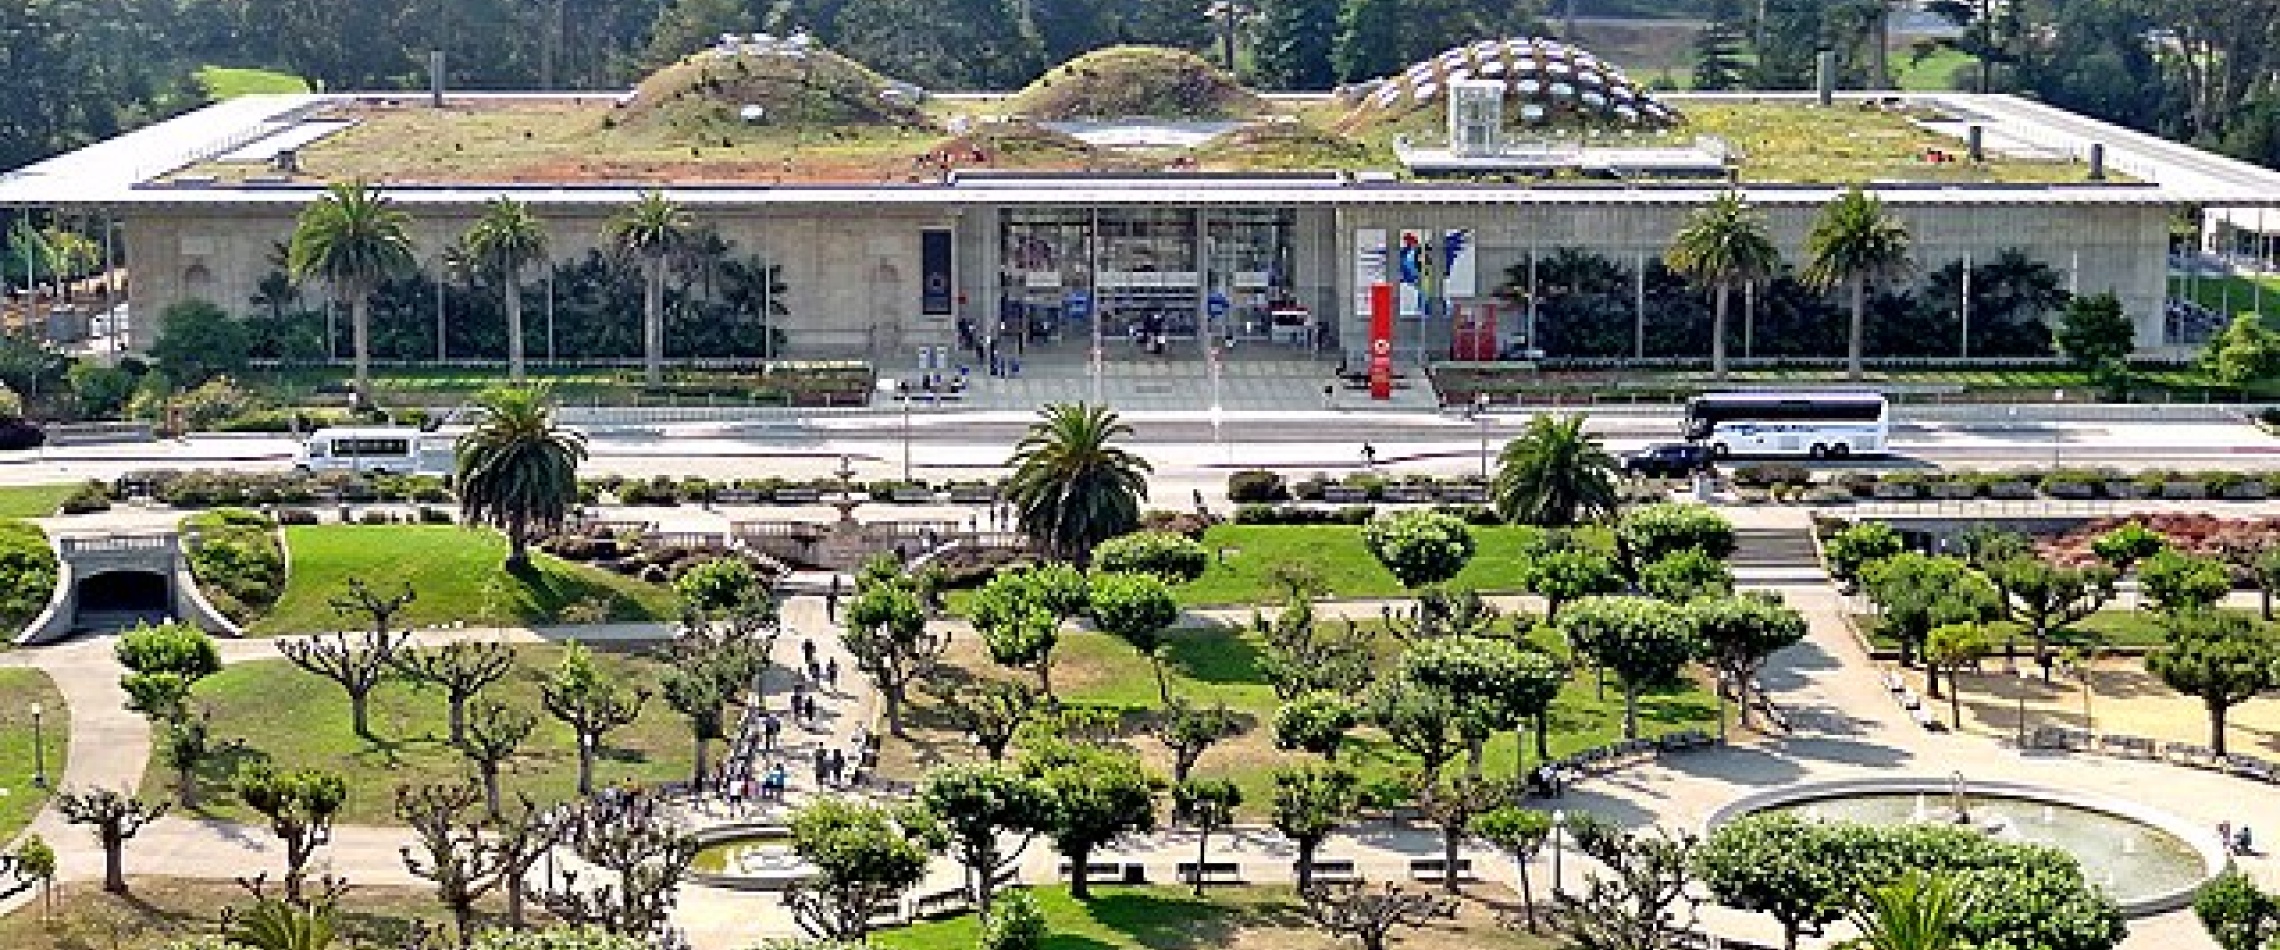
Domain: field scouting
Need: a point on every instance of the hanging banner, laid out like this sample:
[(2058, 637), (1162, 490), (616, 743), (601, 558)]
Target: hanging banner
[(1381, 340), (1369, 265), (934, 297), (1411, 267), (1459, 275)]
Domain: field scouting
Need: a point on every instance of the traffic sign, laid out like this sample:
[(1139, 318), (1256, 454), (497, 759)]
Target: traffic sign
[(1216, 304)]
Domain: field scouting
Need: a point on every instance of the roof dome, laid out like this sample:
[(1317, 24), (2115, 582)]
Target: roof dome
[(1546, 81)]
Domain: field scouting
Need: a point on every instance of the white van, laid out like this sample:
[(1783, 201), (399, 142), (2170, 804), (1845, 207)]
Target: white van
[(395, 450)]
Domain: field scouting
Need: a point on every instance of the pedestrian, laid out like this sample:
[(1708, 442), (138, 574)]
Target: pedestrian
[(831, 673), (831, 601), (1198, 499), (1329, 395), (822, 765), (799, 693), (807, 652), (770, 729), (1369, 455), (838, 766)]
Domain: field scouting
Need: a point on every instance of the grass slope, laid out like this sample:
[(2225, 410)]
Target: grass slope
[(32, 501), (457, 573), (1136, 81), (2111, 627), (19, 689), (230, 82), (1244, 574), (1168, 918), (162, 910), (296, 719)]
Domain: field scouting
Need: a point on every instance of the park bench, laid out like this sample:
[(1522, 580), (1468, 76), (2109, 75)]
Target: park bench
[(1464, 494), (736, 496), (1214, 872), (1345, 494), (798, 496), (2188, 753), (1925, 718), (2249, 766), (1110, 872), (1331, 870), (1434, 869), (1408, 493), (973, 494), (1893, 682), (2126, 745), (939, 903)]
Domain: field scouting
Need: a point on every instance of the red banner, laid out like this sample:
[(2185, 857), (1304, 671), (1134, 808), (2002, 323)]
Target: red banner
[(1381, 340)]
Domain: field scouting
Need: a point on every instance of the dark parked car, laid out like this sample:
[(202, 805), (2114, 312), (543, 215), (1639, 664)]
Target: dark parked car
[(1669, 460)]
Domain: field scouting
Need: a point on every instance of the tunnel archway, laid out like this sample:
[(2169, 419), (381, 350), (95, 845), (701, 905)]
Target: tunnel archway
[(117, 599)]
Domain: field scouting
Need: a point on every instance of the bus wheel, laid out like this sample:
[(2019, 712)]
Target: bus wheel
[(1719, 450), (1841, 449), (1817, 451)]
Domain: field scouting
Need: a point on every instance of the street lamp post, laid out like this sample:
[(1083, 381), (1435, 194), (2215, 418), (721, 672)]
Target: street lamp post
[(1480, 415), (1559, 828), (900, 389), (39, 750), (2024, 679)]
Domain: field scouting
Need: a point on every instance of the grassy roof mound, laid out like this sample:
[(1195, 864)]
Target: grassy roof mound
[(1146, 81), (710, 91), (1287, 146), (1016, 145)]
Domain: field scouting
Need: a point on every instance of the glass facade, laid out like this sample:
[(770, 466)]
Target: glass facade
[(1155, 279)]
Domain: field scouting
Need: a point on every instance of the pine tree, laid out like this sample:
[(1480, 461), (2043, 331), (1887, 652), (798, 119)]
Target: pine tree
[(1293, 43), (1718, 48), (1369, 39)]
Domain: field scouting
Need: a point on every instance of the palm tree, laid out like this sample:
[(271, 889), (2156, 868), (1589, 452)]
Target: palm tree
[(506, 239), (1554, 475), (652, 229), (1916, 912), (1723, 244), (1853, 243), (1070, 486), (518, 471), (353, 238)]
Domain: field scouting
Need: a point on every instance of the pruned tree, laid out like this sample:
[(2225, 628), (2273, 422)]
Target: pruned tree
[(865, 855), (300, 806), (521, 839), (713, 659), (185, 743), (2221, 659), (1207, 805), (1018, 615), (1419, 718), (494, 731), (163, 662), (357, 665), (115, 817), (1641, 640), (2044, 598), (1452, 804), (1098, 795), (1442, 613), (34, 861), (1949, 649), (886, 633), (990, 711), (636, 857), (1917, 592), (1137, 609), (981, 806), (701, 698), (1420, 548), (1521, 833), (1189, 730), (1371, 914), (1302, 655), (1564, 575), (1641, 901), (1311, 802), (461, 669), (1738, 634), (1315, 722), (591, 704), (463, 864)]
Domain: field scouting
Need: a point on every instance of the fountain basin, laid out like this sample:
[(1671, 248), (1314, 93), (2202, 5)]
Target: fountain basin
[(2149, 861), (747, 857)]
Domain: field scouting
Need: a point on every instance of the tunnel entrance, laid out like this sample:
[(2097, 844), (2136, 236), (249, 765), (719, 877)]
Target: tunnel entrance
[(115, 600)]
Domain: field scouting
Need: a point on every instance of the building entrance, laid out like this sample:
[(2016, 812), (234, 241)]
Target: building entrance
[(1150, 282)]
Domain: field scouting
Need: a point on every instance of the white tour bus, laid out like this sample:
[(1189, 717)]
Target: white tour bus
[(380, 451), (1815, 425)]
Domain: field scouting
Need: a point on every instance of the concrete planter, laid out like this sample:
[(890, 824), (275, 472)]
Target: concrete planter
[(1409, 493), (2071, 490), (2183, 490), (1345, 495), (2017, 491), (973, 494), (1464, 494), (2245, 491), (798, 496), (911, 496), (1889, 491), (2125, 490), (1953, 490)]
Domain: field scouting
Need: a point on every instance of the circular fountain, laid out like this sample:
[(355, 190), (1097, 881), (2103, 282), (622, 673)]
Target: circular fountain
[(2149, 862), (748, 857)]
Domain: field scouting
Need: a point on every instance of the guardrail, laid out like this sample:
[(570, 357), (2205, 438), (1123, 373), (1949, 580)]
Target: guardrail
[(1987, 508), (105, 544)]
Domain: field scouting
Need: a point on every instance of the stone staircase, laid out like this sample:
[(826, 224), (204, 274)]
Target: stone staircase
[(1774, 554)]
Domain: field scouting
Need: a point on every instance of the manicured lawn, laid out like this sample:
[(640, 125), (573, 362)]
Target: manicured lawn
[(457, 573), (32, 501), (162, 910), (1245, 558), (2122, 628), (1169, 918), (2230, 294), (1934, 73), (19, 798), (230, 82), (1221, 665), (297, 719)]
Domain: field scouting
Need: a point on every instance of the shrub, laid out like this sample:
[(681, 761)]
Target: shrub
[(235, 552), (88, 498), (1355, 514), (1256, 485), (429, 514), (1771, 474), (1015, 922), (19, 434), (1847, 550), (214, 400), (1173, 558), (1420, 547), (376, 518), (717, 584), (1652, 531), (1255, 513), (1187, 524), (27, 571), (296, 516)]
